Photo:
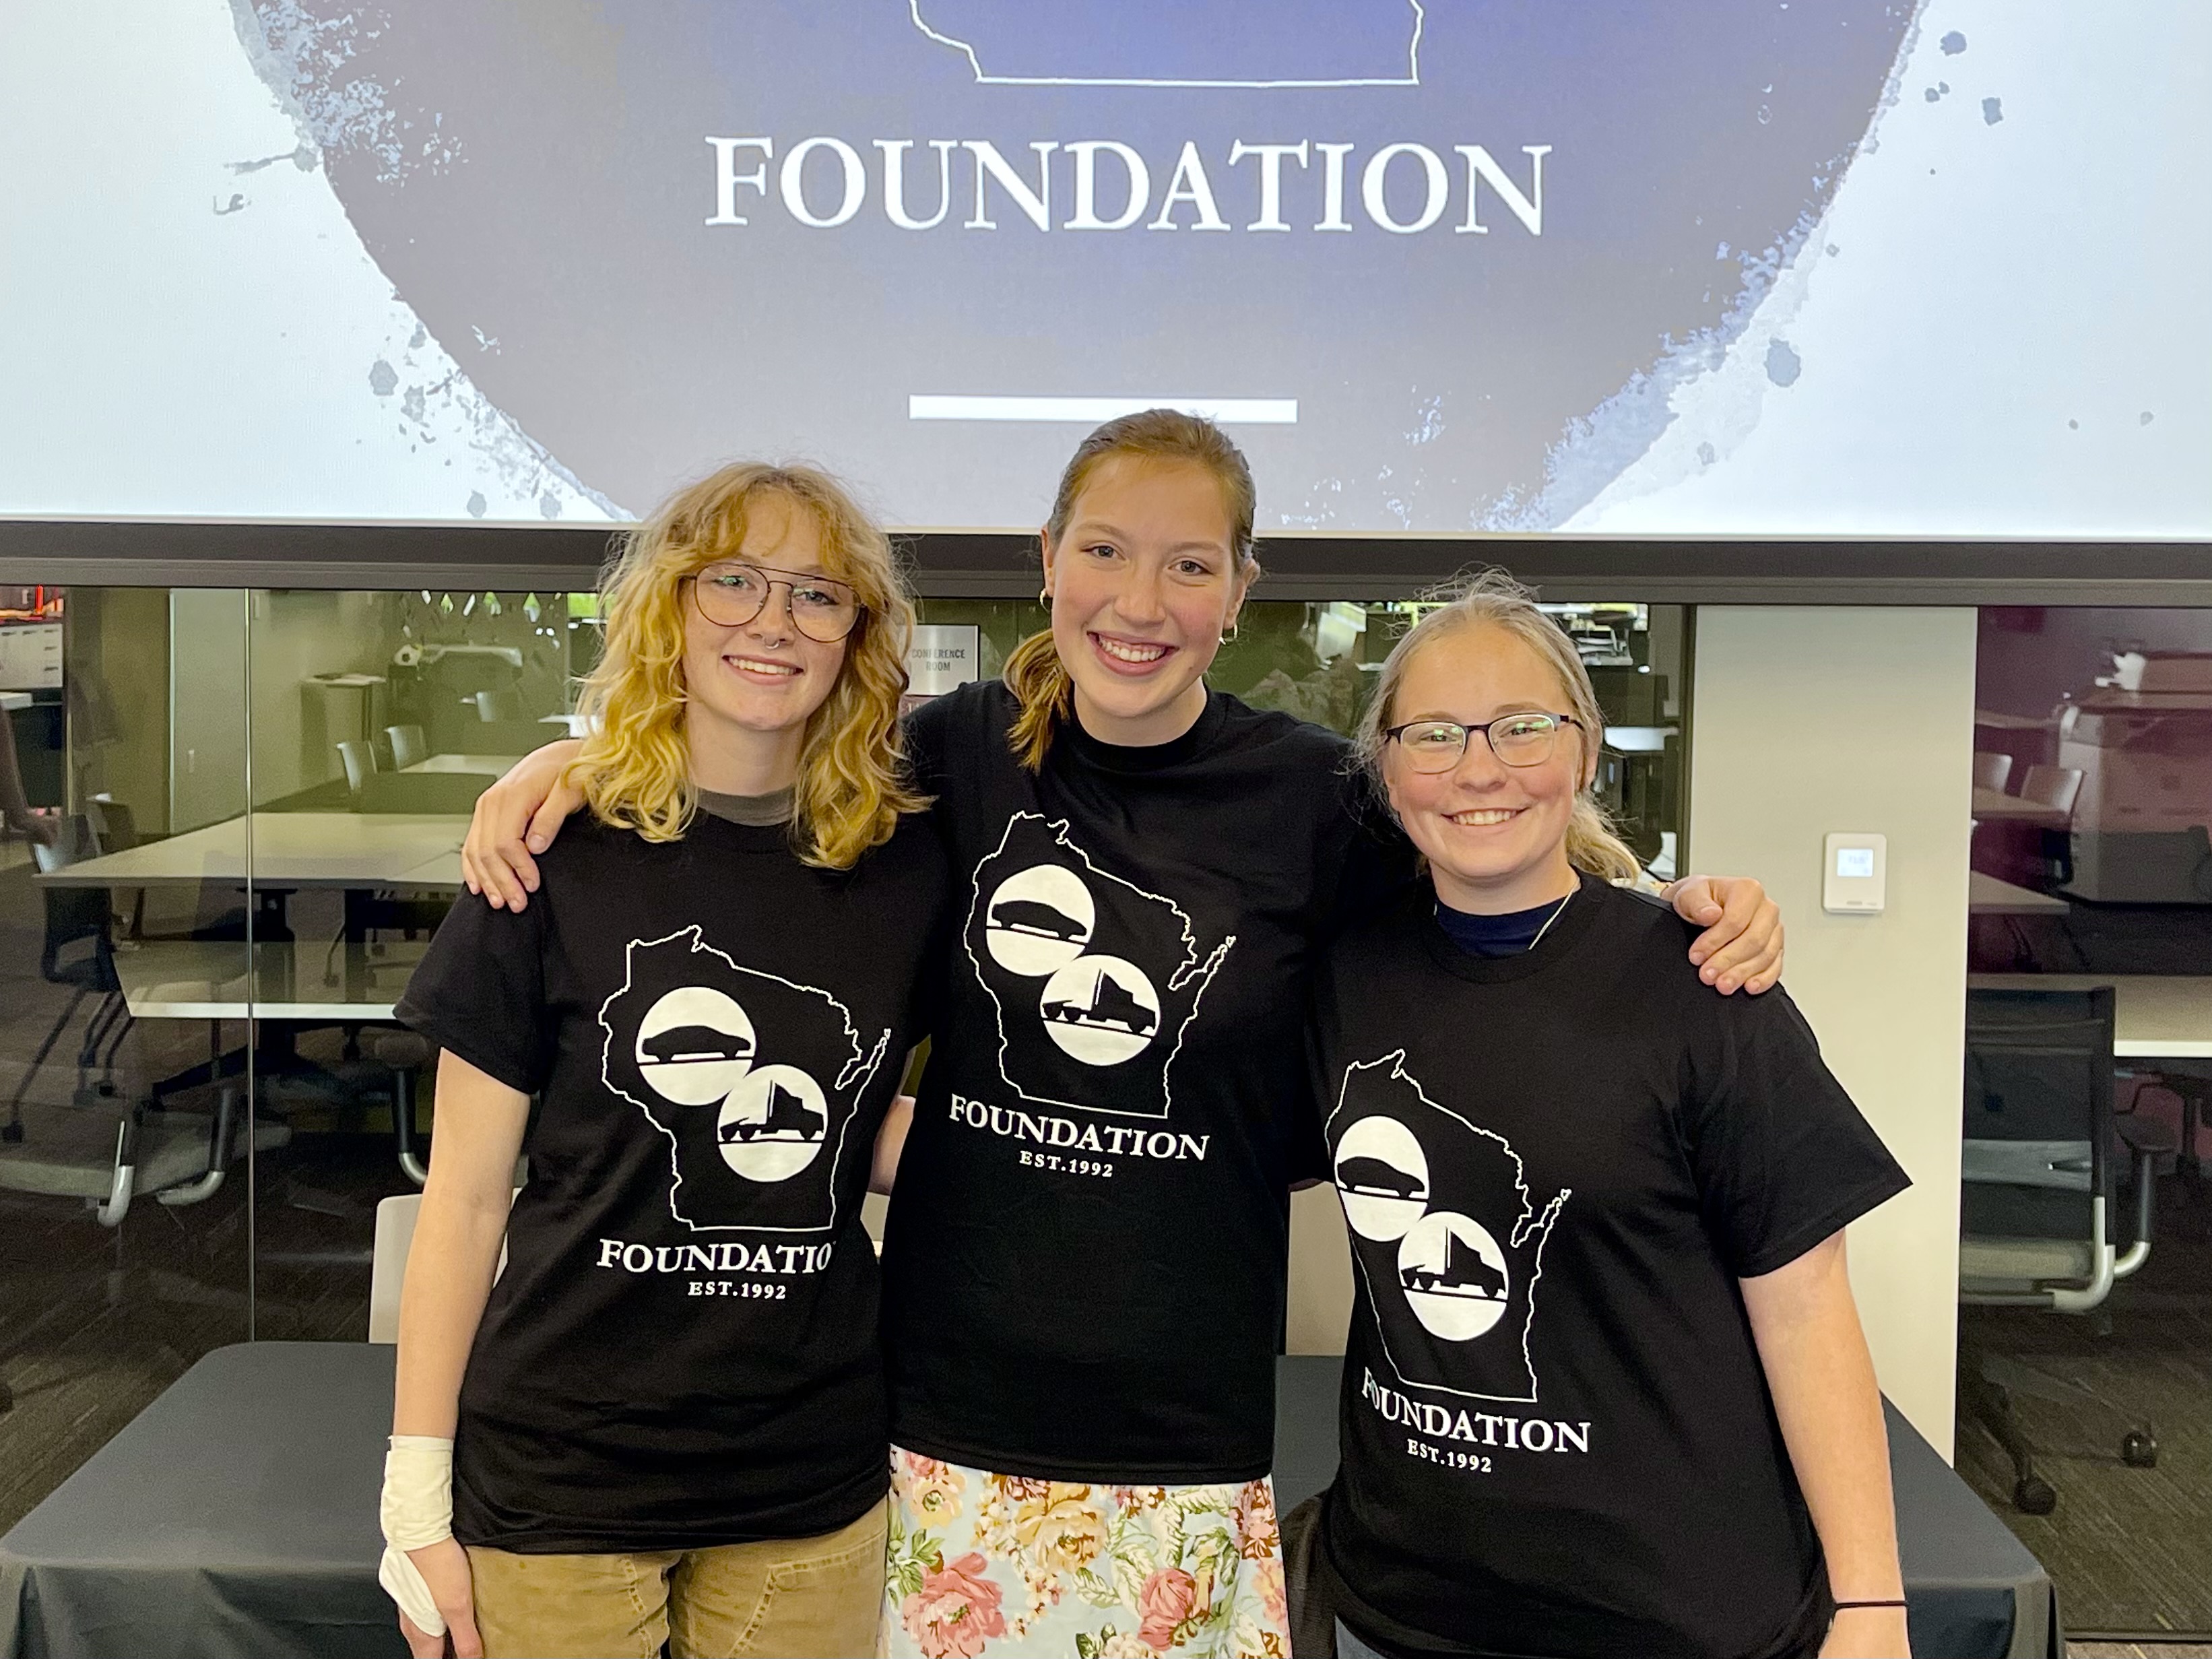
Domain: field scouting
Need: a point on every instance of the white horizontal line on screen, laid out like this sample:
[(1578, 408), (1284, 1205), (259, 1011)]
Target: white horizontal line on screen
[(1090, 411)]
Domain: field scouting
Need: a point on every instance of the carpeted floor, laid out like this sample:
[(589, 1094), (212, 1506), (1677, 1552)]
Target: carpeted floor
[(2130, 1548)]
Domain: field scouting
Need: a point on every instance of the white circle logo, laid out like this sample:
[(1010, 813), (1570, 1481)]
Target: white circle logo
[(694, 1045), (1454, 1275), (1100, 1010), (773, 1124), (1039, 920), (1382, 1177)]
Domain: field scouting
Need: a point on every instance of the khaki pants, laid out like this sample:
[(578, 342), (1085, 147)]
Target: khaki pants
[(796, 1598)]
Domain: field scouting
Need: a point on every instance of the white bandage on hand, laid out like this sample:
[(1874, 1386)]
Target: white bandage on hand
[(418, 1510)]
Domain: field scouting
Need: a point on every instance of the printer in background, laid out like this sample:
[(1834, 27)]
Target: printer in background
[(2143, 742)]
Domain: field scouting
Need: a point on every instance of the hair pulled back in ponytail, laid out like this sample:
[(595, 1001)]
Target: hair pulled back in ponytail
[(1034, 671), (1493, 597)]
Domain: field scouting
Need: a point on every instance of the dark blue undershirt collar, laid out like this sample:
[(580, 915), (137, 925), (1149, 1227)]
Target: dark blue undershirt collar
[(1507, 935)]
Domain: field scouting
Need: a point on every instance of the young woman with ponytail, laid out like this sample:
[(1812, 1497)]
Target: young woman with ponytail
[(1084, 1260), (1605, 1390)]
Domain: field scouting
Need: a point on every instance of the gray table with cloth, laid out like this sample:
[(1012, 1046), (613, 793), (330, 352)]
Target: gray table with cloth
[(236, 1516)]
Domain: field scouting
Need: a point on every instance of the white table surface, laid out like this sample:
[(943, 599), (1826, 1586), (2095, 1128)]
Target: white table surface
[(2156, 1016), (291, 849), (1994, 805), (1990, 720), (12, 700), (1988, 896), (200, 979), (485, 766)]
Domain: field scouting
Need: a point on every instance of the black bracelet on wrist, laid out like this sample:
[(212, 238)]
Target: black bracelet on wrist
[(1841, 1606)]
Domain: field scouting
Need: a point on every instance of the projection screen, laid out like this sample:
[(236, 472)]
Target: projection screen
[(1834, 268)]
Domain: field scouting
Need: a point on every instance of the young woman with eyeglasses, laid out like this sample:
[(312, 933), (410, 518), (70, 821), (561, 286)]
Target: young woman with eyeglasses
[(1084, 1260), (1606, 1390), (664, 1420)]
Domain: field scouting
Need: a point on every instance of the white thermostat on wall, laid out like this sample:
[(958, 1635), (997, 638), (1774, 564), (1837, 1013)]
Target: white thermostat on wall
[(1854, 878)]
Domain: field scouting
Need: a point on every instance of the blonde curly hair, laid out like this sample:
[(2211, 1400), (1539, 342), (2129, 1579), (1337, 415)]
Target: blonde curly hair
[(634, 769)]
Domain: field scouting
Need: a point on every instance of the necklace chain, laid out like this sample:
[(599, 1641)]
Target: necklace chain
[(1557, 910)]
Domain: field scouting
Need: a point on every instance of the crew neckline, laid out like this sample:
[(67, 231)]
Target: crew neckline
[(1573, 924), (751, 811), (1513, 932), (1152, 756)]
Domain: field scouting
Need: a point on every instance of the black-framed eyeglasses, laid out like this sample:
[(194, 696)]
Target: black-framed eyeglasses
[(732, 593), (1526, 740)]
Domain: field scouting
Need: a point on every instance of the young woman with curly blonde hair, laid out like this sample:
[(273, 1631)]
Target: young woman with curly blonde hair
[(663, 1419)]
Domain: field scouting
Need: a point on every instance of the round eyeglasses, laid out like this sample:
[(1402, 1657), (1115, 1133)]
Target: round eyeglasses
[(731, 594), (1516, 739)]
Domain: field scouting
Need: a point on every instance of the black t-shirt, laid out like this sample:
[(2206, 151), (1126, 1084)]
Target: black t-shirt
[(682, 1351), (1086, 1252), (1555, 1167)]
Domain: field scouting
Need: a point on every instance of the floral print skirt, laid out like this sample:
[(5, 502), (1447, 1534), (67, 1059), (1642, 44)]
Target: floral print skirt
[(999, 1564)]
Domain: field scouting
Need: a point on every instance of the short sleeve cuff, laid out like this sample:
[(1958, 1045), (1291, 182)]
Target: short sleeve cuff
[(1778, 1254), (457, 1038)]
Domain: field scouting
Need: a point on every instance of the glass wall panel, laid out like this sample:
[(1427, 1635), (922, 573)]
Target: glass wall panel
[(378, 718), (125, 1121), (2093, 870), (206, 1094), (1318, 661)]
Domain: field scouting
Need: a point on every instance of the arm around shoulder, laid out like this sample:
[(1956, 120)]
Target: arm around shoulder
[(1742, 946), (516, 817)]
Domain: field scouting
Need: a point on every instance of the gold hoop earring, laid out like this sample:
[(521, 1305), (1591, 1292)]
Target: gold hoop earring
[(1235, 629), (1044, 598)]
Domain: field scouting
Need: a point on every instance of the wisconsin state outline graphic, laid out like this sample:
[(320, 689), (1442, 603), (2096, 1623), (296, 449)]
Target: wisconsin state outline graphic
[(755, 1079), (1443, 1231), (1094, 980)]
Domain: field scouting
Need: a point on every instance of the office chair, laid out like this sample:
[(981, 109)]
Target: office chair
[(2055, 787), (408, 746), (117, 831), (359, 759), (1991, 770), (2039, 1196), (78, 952)]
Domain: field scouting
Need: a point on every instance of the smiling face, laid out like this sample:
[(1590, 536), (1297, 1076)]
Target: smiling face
[(1495, 835), (751, 688), (1145, 580)]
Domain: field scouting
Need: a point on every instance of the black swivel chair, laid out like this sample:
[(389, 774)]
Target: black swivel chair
[(2039, 1198), (79, 952)]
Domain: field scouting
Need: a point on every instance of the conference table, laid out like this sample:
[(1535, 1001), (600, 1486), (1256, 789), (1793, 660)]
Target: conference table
[(271, 979), (279, 854), (235, 1518), (289, 851), (1986, 895), (1995, 806), (474, 766), (2155, 1015), (210, 979)]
